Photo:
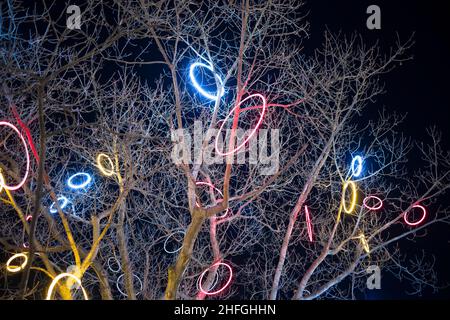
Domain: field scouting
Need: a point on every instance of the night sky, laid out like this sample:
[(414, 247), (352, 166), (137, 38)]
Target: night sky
[(419, 87)]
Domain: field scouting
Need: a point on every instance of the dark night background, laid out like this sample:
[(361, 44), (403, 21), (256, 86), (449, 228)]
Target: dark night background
[(418, 87)]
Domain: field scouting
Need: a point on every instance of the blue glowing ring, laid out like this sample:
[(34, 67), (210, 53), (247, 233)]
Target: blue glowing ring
[(81, 185), (358, 171), (197, 85), (65, 202)]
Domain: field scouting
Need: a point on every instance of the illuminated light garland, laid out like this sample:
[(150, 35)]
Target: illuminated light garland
[(27, 155), (62, 206), (14, 269), (353, 198), (264, 109), (81, 185), (221, 289), (123, 293), (109, 264), (308, 223), (102, 169), (59, 277), (198, 86), (203, 183), (359, 168), (413, 224), (165, 242), (376, 207), (364, 243)]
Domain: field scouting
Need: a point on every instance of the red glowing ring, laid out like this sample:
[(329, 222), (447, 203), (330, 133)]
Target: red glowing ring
[(377, 207), (202, 183), (12, 188), (405, 215), (308, 222), (264, 108), (226, 284)]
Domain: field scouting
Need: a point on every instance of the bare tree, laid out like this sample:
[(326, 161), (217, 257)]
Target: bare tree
[(149, 227)]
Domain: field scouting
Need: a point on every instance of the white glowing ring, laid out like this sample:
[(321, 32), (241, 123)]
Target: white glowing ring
[(197, 85), (405, 215), (63, 275), (353, 198), (109, 264), (216, 279), (65, 202), (102, 169), (376, 207), (358, 171), (73, 269), (202, 183), (221, 289), (123, 293), (264, 108), (3, 184), (81, 185), (14, 269), (170, 235)]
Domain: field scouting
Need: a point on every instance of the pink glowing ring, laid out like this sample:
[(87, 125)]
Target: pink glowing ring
[(405, 215), (374, 208), (13, 188), (308, 223), (226, 284), (201, 183), (264, 109), (29, 217)]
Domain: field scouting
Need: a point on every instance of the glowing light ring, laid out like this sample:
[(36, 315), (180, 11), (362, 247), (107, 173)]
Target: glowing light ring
[(221, 289), (198, 86), (216, 279), (412, 224), (81, 185), (62, 206), (165, 242), (364, 243), (102, 168), (358, 171), (3, 184), (15, 269), (109, 264), (374, 208), (59, 277), (29, 217), (353, 199), (123, 293), (251, 134), (308, 223), (26, 245), (202, 183)]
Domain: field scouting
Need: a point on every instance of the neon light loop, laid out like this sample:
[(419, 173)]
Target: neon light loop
[(264, 109), (357, 172), (364, 243), (65, 202), (59, 277), (202, 183), (109, 264), (405, 216), (14, 269), (170, 235), (216, 279), (3, 183), (374, 207), (105, 171), (209, 293), (353, 198), (308, 222), (82, 185), (198, 86), (123, 293)]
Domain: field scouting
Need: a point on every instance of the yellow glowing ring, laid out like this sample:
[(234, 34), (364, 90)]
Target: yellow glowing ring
[(102, 169), (16, 268), (364, 243), (59, 277), (353, 199)]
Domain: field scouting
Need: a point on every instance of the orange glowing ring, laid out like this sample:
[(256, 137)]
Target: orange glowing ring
[(221, 289), (27, 155), (264, 108), (59, 277)]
